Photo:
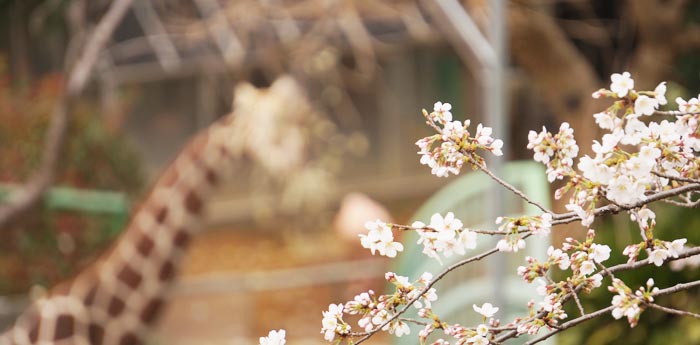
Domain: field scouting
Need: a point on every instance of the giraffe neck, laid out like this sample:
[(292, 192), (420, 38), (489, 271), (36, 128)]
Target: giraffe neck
[(114, 300), (117, 298), (134, 277)]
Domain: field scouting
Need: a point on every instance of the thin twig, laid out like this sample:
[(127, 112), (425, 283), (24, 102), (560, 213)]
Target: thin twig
[(677, 178), (478, 231), (676, 288), (674, 311), (692, 204), (513, 189), (575, 296), (633, 265), (417, 322), (674, 113)]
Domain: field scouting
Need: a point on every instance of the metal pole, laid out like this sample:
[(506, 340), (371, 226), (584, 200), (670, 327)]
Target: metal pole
[(495, 98)]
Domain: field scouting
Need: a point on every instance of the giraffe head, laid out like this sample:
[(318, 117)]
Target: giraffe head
[(269, 123)]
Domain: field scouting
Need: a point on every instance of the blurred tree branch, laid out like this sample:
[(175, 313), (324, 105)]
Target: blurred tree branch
[(30, 193)]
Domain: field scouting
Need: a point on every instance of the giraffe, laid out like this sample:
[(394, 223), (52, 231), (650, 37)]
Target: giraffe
[(119, 296)]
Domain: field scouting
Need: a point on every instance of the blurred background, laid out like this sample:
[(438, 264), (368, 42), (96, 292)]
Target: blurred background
[(276, 250)]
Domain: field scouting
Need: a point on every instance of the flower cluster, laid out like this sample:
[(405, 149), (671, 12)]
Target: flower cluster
[(628, 304), (556, 152), (333, 324), (444, 235), (375, 311), (582, 260), (454, 144), (479, 335), (515, 227), (274, 338), (628, 160), (657, 250), (380, 238)]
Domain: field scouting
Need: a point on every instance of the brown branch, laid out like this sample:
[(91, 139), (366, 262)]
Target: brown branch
[(674, 311), (478, 231), (676, 288), (569, 324), (673, 113), (632, 265), (677, 178), (614, 209), (30, 193), (578, 302)]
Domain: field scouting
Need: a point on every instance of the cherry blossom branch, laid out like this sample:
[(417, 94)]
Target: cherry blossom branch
[(484, 169), (576, 321), (424, 290), (608, 272), (624, 187), (571, 323), (641, 263), (478, 231), (562, 218)]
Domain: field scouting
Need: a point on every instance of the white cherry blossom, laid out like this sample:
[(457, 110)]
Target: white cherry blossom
[(442, 110), (645, 105), (621, 83), (274, 338), (657, 256), (380, 239), (486, 309), (660, 93), (600, 252), (676, 247)]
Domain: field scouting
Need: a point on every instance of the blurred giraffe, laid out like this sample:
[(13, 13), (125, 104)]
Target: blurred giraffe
[(118, 297)]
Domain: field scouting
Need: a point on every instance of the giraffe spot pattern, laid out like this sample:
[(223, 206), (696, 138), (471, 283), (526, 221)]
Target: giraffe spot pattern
[(34, 330), (129, 277), (193, 203), (65, 327), (150, 312), (116, 306), (145, 245), (162, 214), (170, 178), (167, 271), (211, 176), (182, 238), (96, 334), (90, 297), (130, 339)]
